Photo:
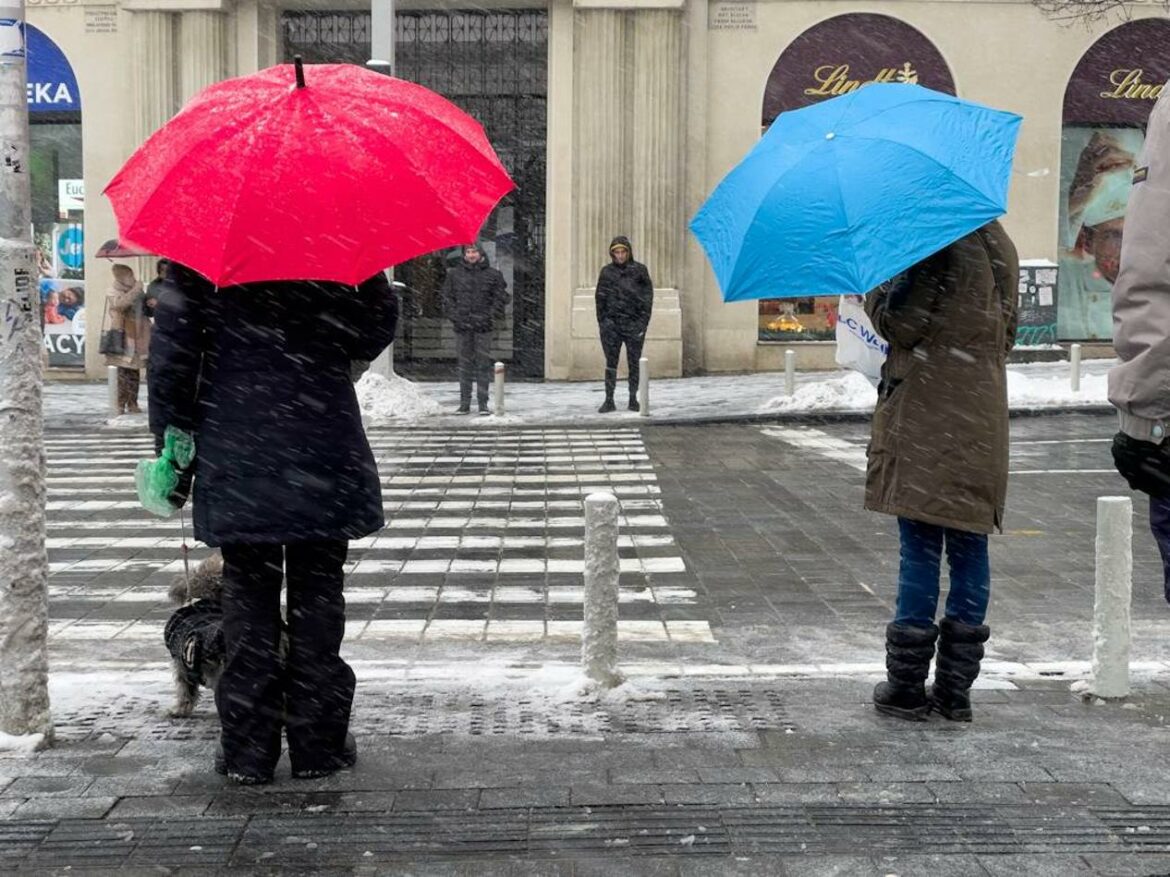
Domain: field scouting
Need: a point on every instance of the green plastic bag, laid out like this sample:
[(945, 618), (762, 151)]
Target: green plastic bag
[(164, 482)]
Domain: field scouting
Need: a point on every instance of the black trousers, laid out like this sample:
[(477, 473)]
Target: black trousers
[(474, 353), (611, 343), (309, 691)]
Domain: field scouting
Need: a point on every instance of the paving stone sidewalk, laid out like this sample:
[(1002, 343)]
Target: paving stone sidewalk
[(797, 776)]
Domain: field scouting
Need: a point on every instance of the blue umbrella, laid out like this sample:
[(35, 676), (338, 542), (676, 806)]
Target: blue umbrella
[(841, 196)]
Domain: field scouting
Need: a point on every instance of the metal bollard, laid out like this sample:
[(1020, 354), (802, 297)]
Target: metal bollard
[(1114, 589), (599, 636), (644, 386), (499, 389), (112, 389), (789, 372), (1074, 367)]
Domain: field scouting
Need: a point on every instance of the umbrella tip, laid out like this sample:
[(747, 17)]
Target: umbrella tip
[(300, 68)]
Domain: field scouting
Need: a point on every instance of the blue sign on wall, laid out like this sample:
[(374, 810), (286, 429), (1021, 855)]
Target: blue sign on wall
[(52, 87), (71, 247)]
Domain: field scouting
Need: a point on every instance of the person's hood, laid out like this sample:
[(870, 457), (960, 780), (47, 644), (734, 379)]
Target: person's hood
[(480, 265), (625, 242), (124, 277)]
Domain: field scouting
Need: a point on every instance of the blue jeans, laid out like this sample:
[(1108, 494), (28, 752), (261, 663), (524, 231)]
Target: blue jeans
[(922, 547), (1160, 527)]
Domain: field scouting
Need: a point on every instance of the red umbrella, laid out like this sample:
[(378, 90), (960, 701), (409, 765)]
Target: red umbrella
[(333, 173)]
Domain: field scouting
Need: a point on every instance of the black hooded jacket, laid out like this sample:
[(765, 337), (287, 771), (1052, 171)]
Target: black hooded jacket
[(261, 374), (625, 295), (473, 295)]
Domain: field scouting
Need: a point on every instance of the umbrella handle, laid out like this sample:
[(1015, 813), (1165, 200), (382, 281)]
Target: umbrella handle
[(300, 68)]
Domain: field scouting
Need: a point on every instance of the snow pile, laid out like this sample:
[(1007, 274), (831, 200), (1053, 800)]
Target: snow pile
[(23, 745), (849, 391), (1050, 391), (396, 398)]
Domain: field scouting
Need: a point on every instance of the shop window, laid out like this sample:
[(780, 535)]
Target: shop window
[(58, 199), (835, 57), (1106, 107)]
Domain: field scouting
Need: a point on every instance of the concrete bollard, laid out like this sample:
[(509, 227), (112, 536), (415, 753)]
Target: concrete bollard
[(112, 389), (599, 636), (1074, 367), (644, 386), (789, 372), (1112, 598), (499, 373)]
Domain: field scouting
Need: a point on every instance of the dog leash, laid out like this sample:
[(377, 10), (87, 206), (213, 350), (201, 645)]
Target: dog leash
[(185, 550)]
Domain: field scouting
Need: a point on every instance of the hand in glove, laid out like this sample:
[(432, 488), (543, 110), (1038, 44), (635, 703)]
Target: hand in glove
[(164, 483), (1145, 465)]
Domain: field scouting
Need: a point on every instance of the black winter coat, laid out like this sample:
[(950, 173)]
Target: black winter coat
[(473, 295), (261, 374), (625, 296)]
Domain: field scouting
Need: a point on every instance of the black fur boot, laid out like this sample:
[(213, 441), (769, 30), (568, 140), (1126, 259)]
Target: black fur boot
[(908, 653), (960, 649)]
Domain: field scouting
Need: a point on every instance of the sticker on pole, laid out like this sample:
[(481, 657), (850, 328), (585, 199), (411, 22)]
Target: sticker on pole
[(11, 40)]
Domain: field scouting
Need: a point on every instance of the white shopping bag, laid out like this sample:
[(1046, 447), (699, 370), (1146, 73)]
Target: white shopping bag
[(859, 346)]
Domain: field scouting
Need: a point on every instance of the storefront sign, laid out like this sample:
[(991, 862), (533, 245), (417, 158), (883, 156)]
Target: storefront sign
[(71, 247), (1120, 76), (63, 321), (844, 53), (70, 195), (52, 87)]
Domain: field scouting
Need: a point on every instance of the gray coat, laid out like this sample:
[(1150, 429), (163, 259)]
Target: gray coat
[(1140, 386), (939, 448)]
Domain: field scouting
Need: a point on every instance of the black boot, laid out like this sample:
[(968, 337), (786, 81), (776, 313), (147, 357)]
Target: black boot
[(960, 649), (607, 406), (908, 653), (329, 766)]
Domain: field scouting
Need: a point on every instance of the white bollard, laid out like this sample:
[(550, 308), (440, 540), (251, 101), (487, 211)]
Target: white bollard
[(644, 386), (499, 389), (789, 372), (599, 637), (1074, 367), (1112, 599), (112, 389)]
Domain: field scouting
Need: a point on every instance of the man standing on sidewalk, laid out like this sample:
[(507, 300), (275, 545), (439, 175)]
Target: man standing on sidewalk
[(473, 295), (1140, 386), (625, 297)]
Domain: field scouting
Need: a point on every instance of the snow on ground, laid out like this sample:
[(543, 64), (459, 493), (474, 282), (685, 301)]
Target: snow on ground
[(393, 399), (397, 401), (22, 745)]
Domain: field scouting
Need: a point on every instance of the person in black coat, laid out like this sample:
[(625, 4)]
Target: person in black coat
[(474, 294), (625, 297), (284, 476)]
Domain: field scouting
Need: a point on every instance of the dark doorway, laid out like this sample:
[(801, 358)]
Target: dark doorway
[(494, 65)]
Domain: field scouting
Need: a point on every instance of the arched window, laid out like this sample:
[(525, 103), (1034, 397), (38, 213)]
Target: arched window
[(1106, 106), (837, 56)]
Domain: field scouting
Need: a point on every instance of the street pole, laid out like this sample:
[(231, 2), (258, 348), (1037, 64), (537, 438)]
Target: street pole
[(24, 567), (382, 61)]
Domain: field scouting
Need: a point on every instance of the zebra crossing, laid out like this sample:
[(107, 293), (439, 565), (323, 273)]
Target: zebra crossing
[(483, 543)]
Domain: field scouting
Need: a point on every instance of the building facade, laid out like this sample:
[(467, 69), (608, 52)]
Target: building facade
[(614, 117)]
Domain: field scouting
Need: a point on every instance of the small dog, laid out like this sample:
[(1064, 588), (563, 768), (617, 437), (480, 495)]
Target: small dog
[(194, 633)]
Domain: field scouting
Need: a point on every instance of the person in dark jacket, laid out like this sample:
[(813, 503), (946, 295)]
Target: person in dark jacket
[(938, 460), (474, 294), (625, 297), (260, 374)]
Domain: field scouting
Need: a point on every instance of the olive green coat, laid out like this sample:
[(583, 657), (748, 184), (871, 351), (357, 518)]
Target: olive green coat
[(939, 447)]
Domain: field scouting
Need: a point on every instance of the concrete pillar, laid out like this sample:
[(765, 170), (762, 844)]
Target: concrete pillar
[(602, 91), (152, 56), (202, 52), (658, 129)]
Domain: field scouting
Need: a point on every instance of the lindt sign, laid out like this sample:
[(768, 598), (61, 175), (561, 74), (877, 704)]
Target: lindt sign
[(1117, 81), (844, 53)]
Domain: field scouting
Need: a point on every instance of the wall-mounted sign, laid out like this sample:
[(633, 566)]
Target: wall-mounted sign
[(1120, 77), (732, 15), (70, 195), (52, 87), (844, 53), (1037, 304)]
